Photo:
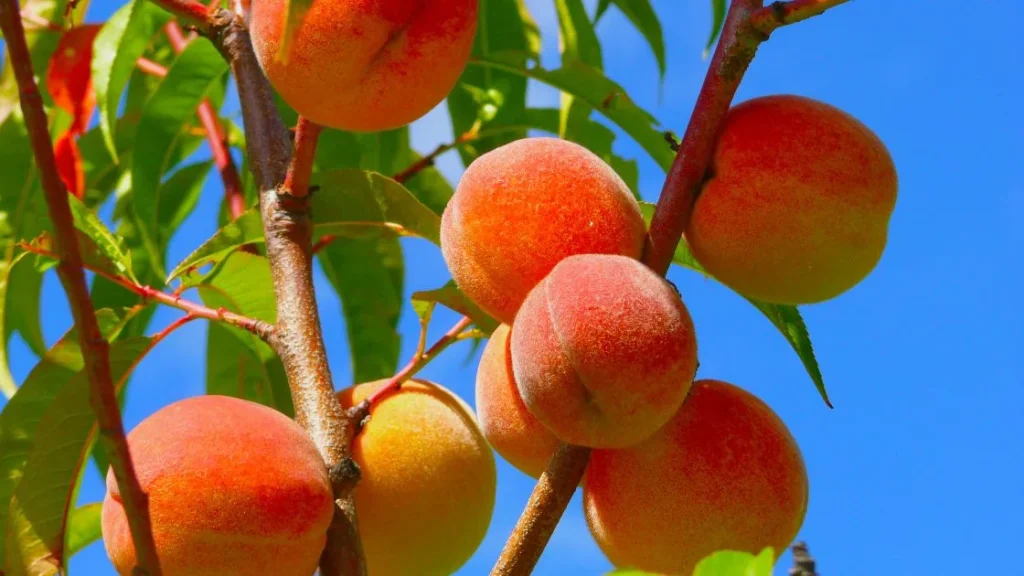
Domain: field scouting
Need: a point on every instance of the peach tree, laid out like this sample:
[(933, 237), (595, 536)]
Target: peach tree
[(587, 378)]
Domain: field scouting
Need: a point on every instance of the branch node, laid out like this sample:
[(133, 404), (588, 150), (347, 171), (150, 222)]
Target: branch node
[(345, 476)]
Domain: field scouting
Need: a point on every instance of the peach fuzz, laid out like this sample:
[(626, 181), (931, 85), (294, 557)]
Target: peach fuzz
[(724, 474), (603, 351), (233, 487), (428, 480), (508, 425), (365, 65), (797, 206), (521, 208)]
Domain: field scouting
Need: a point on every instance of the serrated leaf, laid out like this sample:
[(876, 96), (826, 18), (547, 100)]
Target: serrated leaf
[(84, 528), (451, 297), (109, 245), (598, 92), (643, 17), (733, 563), (21, 417), (785, 318), (349, 203), (44, 496), (192, 75), (69, 76), (367, 273), (717, 20), (118, 46)]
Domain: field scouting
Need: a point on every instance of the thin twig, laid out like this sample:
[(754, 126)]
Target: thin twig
[(191, 12), (95, 349), (803, 563), (299, 342), (296, 182), (779, 14), (735, 50), (359, 412), (260, 328)]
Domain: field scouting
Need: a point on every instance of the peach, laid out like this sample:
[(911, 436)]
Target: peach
[(521, 208), (365, 65), (796, 209), (233, 487), (603, 351), (724, 474), (428, 480), (507, 424)]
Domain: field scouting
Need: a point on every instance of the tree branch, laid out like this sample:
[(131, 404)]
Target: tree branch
[(95, 350), (299, 342), (296, 181), (733, 54)]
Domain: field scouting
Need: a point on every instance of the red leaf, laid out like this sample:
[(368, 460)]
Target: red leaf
[(69, 76), (69, 164)]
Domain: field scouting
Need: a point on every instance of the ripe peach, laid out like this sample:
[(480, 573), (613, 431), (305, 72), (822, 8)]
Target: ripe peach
[(723, 474), (428, 486), (797, 206), (522, 208), (365, 65), (233, 486), (603, 351), (508, 425)]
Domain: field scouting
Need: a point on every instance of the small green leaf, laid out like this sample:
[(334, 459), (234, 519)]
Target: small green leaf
[(110, 246), (367, 273), (785, 318), (192, 75), (349, 203), (733, 563), (645, 20), (84, 528), (717, 19), (450, 296), (119, 44)]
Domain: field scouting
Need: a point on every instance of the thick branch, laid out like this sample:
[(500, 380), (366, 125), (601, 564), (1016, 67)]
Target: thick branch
[(735, 50), (288, 232), (296, 181), (95, 350)]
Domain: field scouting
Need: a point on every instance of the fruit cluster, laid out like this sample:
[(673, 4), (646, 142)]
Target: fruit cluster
[(594, 349)]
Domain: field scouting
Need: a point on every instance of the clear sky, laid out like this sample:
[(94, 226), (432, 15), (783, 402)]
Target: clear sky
[(918, 470)]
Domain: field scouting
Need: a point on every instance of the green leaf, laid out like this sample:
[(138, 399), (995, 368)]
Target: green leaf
[(21, 417), (645, 20), (194, 73), (84, 528), (579, 41), (450, 296), (110, 246), (367, 273), (119, 44), (22, 306), (598, 92), (42, 500), (717, 20), (732, 563), (349, 203), (41, 43), (179, 196), (239, 365), (785, 318)]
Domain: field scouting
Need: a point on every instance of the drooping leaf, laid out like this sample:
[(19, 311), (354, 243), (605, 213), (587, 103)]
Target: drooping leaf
[(21, 312), (717, 20), (21, 417), (69, 164), (732, 563), (109, 245), (179, 196), (641, 14), (69, 76), (578, 39), (84, 528), (785, 318), (450, 296), (194, 73), (598, 92), (41, 42), (118, 46), (349, 203), (367, 273)]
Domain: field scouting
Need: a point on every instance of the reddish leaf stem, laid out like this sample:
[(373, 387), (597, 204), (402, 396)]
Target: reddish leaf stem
[(359, 412), (192, 12), (296, 182), (95, 350), (733, 54), (151, 68)]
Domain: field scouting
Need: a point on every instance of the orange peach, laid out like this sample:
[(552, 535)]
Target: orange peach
[(365, 65), (233, 487), (507, 424), (724, 474), (521, 208), (797, 206), (428, 480), (603, 351)]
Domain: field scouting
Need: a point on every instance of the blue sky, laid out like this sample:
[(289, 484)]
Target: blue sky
[(918, 469)]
